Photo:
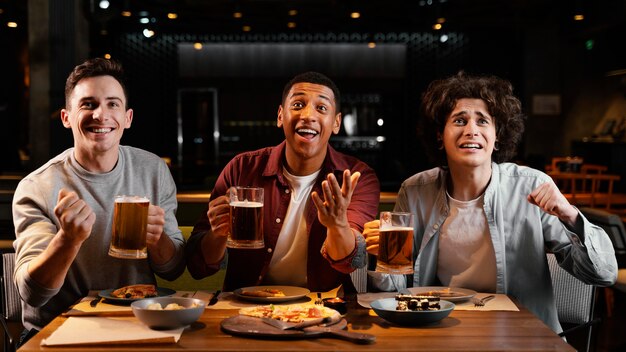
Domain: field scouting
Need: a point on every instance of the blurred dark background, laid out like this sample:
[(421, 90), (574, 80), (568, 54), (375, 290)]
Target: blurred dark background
[(206, 77)]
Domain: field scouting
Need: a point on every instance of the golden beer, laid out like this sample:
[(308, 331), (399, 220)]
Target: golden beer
[(395, 250), (130, 221), (395, 243)]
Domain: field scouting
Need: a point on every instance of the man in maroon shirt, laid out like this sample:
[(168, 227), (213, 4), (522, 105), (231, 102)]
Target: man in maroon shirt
[(312, 224)]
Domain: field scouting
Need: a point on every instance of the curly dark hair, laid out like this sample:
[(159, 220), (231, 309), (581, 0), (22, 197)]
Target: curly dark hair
[(441, 97), (315, 78), (93, 68)]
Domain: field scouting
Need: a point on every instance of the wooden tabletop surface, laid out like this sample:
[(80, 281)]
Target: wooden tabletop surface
[(461, 331)]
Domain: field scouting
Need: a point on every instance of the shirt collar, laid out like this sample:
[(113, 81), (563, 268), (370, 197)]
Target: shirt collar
[(274, 167)]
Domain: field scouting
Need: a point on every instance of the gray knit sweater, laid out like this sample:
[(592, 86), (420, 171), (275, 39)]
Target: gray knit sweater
[(137, 172)]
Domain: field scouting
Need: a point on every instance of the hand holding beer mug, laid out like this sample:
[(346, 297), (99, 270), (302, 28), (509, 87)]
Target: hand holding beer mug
[(395, 248), (246, 218), (130, 221)]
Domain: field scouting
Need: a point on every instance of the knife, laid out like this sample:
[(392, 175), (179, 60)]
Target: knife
[(213, 299), (95, 301)]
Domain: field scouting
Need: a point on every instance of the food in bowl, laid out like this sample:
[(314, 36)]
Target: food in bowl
[(337, 304), (417, 302), (182, 311), (386, 309), (171, 306)]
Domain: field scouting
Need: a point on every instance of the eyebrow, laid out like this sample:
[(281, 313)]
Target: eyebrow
[(321, 96), (465, 112), (90, 98)]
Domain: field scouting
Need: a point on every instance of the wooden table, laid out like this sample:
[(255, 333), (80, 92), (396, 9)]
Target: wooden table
[(461, 331)]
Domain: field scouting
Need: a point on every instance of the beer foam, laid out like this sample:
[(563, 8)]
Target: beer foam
[(246, 204), (131, 199)]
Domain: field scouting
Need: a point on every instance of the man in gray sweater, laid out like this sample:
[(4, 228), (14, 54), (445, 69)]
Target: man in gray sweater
[(63, 211)]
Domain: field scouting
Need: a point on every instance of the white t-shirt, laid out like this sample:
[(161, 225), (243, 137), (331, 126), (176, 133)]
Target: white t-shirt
[(466, 256), (288, 265)]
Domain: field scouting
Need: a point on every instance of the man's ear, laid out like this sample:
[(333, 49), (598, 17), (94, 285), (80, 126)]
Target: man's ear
[(279, 118), (337, 124), (129, 118), (65, 118)]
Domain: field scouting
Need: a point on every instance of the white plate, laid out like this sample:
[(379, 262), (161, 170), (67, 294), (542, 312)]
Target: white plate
[(292, 293), (457, 294)]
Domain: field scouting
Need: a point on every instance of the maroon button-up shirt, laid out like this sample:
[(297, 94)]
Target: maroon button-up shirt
[(264, 168)]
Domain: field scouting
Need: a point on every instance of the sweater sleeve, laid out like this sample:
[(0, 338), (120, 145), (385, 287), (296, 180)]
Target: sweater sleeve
[(34, 229), (167, 200)]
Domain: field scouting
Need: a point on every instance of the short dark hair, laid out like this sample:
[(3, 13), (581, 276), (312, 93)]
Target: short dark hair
[(441, 97), (315, 78), (93, 68)]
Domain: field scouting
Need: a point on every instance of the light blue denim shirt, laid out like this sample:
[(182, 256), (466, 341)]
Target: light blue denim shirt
[(521, 234)]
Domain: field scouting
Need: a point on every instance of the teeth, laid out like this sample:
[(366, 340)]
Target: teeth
[(102, 130), (470, 145), (306, 130)]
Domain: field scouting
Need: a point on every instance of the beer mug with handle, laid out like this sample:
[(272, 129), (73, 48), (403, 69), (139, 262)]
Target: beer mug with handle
[(246, 217), (130, 221), (395, 248)]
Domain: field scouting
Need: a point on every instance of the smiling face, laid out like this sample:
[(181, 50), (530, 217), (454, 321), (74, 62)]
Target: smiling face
[(97, 116), (308, 117), (469, 135)]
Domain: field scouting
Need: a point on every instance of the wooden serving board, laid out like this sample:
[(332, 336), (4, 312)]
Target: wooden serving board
[(242, 325)]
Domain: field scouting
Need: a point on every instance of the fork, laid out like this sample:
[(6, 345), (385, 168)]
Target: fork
[(318, 301), (480, 302)]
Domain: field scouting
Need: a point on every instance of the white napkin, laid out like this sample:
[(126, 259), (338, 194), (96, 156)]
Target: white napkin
[(106, 331), (500, 302), (83, 308)]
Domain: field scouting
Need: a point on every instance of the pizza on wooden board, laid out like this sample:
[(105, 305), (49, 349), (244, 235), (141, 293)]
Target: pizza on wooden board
[(295, 313), (268, 292), (135, 291)]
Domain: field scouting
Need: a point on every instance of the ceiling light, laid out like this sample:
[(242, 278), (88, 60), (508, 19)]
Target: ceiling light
[(291, 24), (144, 20), (293, 12), (197, 46), (104, 4), (126, 13), (443, 38), (103, 32), (172, 16), (12, 24), (237, 14), (441, 20), (355, 14), (579, 17), (246, 28), (437, 26), (148, 33), (107, 56)]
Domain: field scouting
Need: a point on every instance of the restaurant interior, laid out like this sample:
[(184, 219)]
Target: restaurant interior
[(205, 80)]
